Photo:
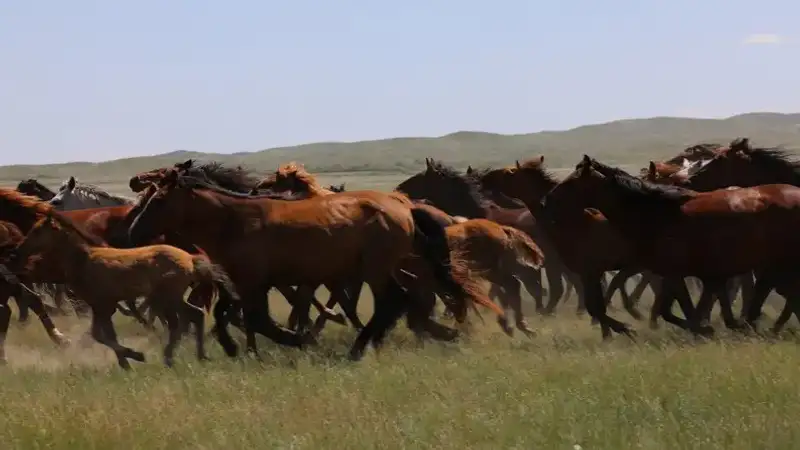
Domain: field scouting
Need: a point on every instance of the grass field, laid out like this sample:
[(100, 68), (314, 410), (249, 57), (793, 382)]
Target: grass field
[(563, 389)]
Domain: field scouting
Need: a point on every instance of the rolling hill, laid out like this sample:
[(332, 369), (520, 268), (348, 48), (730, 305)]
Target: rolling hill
[(629, 143)]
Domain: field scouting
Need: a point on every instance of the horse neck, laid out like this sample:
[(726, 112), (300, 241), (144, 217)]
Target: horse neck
[(219, 215)]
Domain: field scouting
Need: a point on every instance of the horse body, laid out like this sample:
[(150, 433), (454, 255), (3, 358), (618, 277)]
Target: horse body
[(103, 276), (257, 240)]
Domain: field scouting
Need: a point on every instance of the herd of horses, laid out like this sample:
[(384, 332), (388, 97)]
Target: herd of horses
[(725, 215)]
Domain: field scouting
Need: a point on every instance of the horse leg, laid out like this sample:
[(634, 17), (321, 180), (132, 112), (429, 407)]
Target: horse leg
[(38, 308), (23, 306), (258, 319), (397, 302), (765, 282), (618, 283), (671, 288), (641, 285), (720, 287), (384, 311), (222, 310), (173, 325), (596, 307), (511, 286), (555, 286), (748, 290), (5, 318), (109, 338), (531, 278)]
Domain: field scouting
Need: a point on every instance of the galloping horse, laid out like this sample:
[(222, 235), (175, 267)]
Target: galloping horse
[(331, 239), (494, 252), (18, 214), (103, 276), (585, 241), (459, 195), (73, 195), (676, 232)]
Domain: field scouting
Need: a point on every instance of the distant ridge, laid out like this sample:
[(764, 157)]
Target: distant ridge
[(621, 142)]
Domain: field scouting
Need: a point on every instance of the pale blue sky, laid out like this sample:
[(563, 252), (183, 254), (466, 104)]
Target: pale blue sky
[(98, 80)]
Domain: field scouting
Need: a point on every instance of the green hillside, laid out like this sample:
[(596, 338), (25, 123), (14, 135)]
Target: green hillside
[(629, 143)]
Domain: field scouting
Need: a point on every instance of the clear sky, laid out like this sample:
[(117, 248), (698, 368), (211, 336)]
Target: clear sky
[(98, 80)]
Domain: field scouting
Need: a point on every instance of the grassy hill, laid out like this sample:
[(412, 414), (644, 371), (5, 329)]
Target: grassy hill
[(629, 143)]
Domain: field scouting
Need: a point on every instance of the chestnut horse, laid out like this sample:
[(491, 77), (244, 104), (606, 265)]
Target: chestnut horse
[(103, 276), (460, 195), (236, 179), (742, 165), (676, 232), (330, 239), (495, 252)]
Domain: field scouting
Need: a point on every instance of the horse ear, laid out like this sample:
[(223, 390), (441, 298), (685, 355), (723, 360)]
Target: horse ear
[(586, 165), (71, 183), (185, 165), (516, 162), (469, 170), (429, 164), (541, 159), (651, 170)]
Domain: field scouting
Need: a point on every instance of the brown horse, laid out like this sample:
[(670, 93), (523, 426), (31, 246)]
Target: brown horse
[(588, 245), (742, 165), (460, 195), (103, 276), (236, 179), (494, 251), (677, 232), (19, 213), (330, 239)]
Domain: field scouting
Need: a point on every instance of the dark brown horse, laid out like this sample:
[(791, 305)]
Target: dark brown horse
[(742, 165), (322, 240), (677, 232), (587, 244), (460, 195), (18, 214)]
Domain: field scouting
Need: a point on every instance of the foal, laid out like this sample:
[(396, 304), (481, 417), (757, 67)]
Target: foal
[(58, 251)]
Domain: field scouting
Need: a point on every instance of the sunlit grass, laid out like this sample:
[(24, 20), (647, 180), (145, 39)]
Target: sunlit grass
[(560, 389)]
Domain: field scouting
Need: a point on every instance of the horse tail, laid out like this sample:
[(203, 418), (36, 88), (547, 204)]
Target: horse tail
[(450, 271), (212, 274), (526, 251)]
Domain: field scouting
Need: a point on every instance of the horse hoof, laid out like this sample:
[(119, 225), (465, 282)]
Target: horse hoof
[(527, 332), (169, 362), (355, 356), (136, 356)]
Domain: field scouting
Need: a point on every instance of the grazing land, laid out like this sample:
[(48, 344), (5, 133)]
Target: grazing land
[(563, 389)]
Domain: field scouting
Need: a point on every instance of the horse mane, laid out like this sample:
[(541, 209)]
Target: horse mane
[(97, 193), (537, 165), (640, 189), (471, 183), (193, 182), (774, 157), (14, 201), (236, 179), (68, 225), (703, 150)]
